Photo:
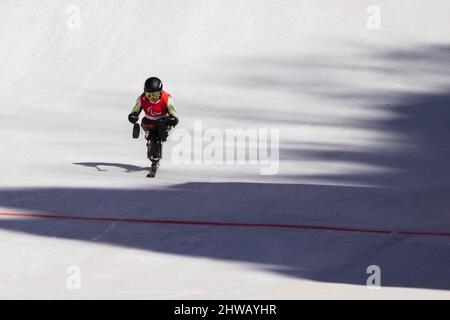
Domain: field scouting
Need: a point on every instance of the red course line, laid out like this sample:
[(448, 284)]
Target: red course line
[(226, 224)]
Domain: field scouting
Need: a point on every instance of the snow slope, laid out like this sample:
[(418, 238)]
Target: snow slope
[(363, 120)]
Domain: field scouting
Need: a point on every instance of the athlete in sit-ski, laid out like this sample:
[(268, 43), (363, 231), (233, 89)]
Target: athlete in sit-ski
[(159, 117)]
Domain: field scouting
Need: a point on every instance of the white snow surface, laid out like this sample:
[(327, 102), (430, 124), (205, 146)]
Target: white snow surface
[(363, 116)]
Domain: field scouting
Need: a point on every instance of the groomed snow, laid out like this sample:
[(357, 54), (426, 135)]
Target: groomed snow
[(363, 119)]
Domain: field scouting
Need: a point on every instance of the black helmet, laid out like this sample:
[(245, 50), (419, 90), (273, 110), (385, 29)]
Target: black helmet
[(153, 84)]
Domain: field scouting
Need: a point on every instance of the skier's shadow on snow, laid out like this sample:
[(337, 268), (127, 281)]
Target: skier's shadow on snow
[(127, 167)]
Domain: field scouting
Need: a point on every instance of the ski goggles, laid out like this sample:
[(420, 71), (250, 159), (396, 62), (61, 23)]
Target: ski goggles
[(153, 96)]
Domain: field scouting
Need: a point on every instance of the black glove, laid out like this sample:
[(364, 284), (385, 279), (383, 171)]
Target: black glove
[(133, 117), (168, 121), (172, 121)]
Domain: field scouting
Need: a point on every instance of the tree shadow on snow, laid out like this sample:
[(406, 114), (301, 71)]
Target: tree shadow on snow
[(413, 195), (329, 256)]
